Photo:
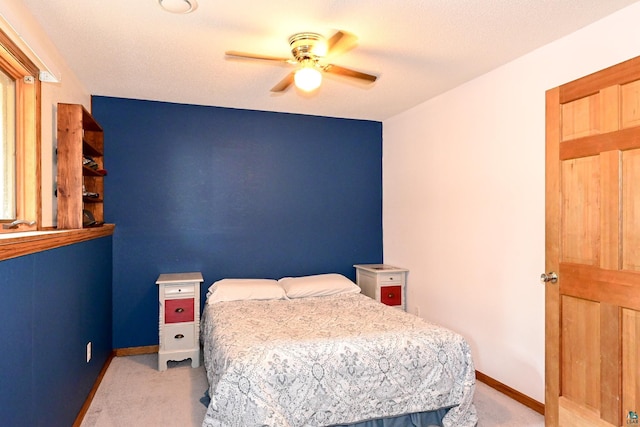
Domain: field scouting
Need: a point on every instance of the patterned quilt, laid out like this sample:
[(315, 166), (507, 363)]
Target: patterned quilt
[(330, 360)]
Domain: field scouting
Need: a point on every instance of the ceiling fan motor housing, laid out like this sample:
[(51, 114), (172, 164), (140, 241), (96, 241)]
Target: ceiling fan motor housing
[(307, 46)]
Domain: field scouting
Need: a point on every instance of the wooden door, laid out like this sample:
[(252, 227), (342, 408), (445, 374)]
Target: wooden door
[(593, 244)]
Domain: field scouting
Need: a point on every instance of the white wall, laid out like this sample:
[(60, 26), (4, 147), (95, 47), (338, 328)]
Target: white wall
[(463, 199), (25, 30)]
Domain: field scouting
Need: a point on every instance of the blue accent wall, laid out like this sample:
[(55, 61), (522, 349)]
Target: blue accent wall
[(232, 193), (52, 304)]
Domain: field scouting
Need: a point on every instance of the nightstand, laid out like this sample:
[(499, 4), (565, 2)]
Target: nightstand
[(179, 320), (384, 283)]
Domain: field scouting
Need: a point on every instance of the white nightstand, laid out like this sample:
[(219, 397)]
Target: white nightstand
[(384, 283), (179, 322)]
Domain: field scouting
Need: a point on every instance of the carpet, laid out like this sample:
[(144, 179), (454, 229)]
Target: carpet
[(134, 393)]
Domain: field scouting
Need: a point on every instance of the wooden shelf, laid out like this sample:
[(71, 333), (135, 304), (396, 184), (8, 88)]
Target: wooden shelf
[(89, 150), (90, 172), (92, 200), (79, 135)]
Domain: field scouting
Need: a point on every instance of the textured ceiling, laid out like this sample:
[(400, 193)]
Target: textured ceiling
[(418, 48)]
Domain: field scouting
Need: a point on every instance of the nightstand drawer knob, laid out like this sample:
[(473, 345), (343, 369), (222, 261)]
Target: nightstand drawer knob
[(390, 296), (179, 310), (179, 336)]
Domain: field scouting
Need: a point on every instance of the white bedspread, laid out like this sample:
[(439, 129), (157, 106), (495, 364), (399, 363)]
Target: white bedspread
[(330, 360)]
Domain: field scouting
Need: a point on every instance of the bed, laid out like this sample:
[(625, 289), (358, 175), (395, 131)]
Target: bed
[(313, 351)]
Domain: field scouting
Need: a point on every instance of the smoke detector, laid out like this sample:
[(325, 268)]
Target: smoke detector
[(178, 6)]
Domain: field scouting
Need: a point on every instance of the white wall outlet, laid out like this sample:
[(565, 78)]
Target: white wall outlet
[(88, 351), (417, 310)]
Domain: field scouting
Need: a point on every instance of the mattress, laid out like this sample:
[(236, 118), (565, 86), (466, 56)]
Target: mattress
[(330, 360)]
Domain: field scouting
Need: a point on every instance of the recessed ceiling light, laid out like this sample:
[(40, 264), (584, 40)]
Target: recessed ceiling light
[(178, 6)]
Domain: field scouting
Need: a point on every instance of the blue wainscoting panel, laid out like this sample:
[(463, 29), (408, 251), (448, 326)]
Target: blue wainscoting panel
[(16, 324), (53, 303), (232, 193)]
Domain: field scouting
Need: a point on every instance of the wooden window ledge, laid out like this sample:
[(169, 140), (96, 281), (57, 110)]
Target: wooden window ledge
[(13, 245)]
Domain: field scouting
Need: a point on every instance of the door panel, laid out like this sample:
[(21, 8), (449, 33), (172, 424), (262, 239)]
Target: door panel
[(581, 351), (630, 104), (580, 117), (573, 415), (610, 209), (593, 243), (631, 210), (580, 210), (610, 354), (630, 360)]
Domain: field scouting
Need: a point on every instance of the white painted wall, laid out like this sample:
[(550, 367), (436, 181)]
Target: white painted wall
[(25, 29), (463, 199)]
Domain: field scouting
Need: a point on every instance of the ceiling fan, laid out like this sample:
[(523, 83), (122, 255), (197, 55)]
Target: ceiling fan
[(308, 50)]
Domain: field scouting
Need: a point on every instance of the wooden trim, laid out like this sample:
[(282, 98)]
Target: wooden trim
[(18, 60), (15, 245), (92, 392), (134, 351), (512, 393), (28, 130), (552, 255)]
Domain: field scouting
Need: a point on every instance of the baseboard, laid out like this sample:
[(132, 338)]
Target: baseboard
[(134, 351), (514, 394), (92, 392)]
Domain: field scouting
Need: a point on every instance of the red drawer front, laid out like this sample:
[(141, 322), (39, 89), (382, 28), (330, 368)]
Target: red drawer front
[(178, 310), (391, 295)]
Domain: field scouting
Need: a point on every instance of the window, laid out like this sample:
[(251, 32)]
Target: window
[(7, 147), (19, 133), (18, 70)]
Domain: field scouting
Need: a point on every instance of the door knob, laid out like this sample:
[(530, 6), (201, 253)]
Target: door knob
[(549, 277)]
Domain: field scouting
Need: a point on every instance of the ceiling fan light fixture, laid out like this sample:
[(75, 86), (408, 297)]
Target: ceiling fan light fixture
[(308, 78), (178, 6), (308, 50)]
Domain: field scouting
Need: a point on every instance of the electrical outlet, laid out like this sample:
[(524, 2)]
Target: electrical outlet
[(88, 351), (417, 310)]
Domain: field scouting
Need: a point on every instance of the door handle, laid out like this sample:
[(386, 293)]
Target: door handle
[(549, 277)]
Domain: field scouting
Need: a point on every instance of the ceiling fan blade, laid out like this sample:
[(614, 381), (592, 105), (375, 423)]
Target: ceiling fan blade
[(284, 83), (341, 42), (336, 69), (256, 56)]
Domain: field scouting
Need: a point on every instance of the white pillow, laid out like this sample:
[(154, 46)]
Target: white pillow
[(244, 289), (318, 285)]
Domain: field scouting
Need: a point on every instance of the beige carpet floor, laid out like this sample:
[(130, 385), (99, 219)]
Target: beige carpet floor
[(133, 393)]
